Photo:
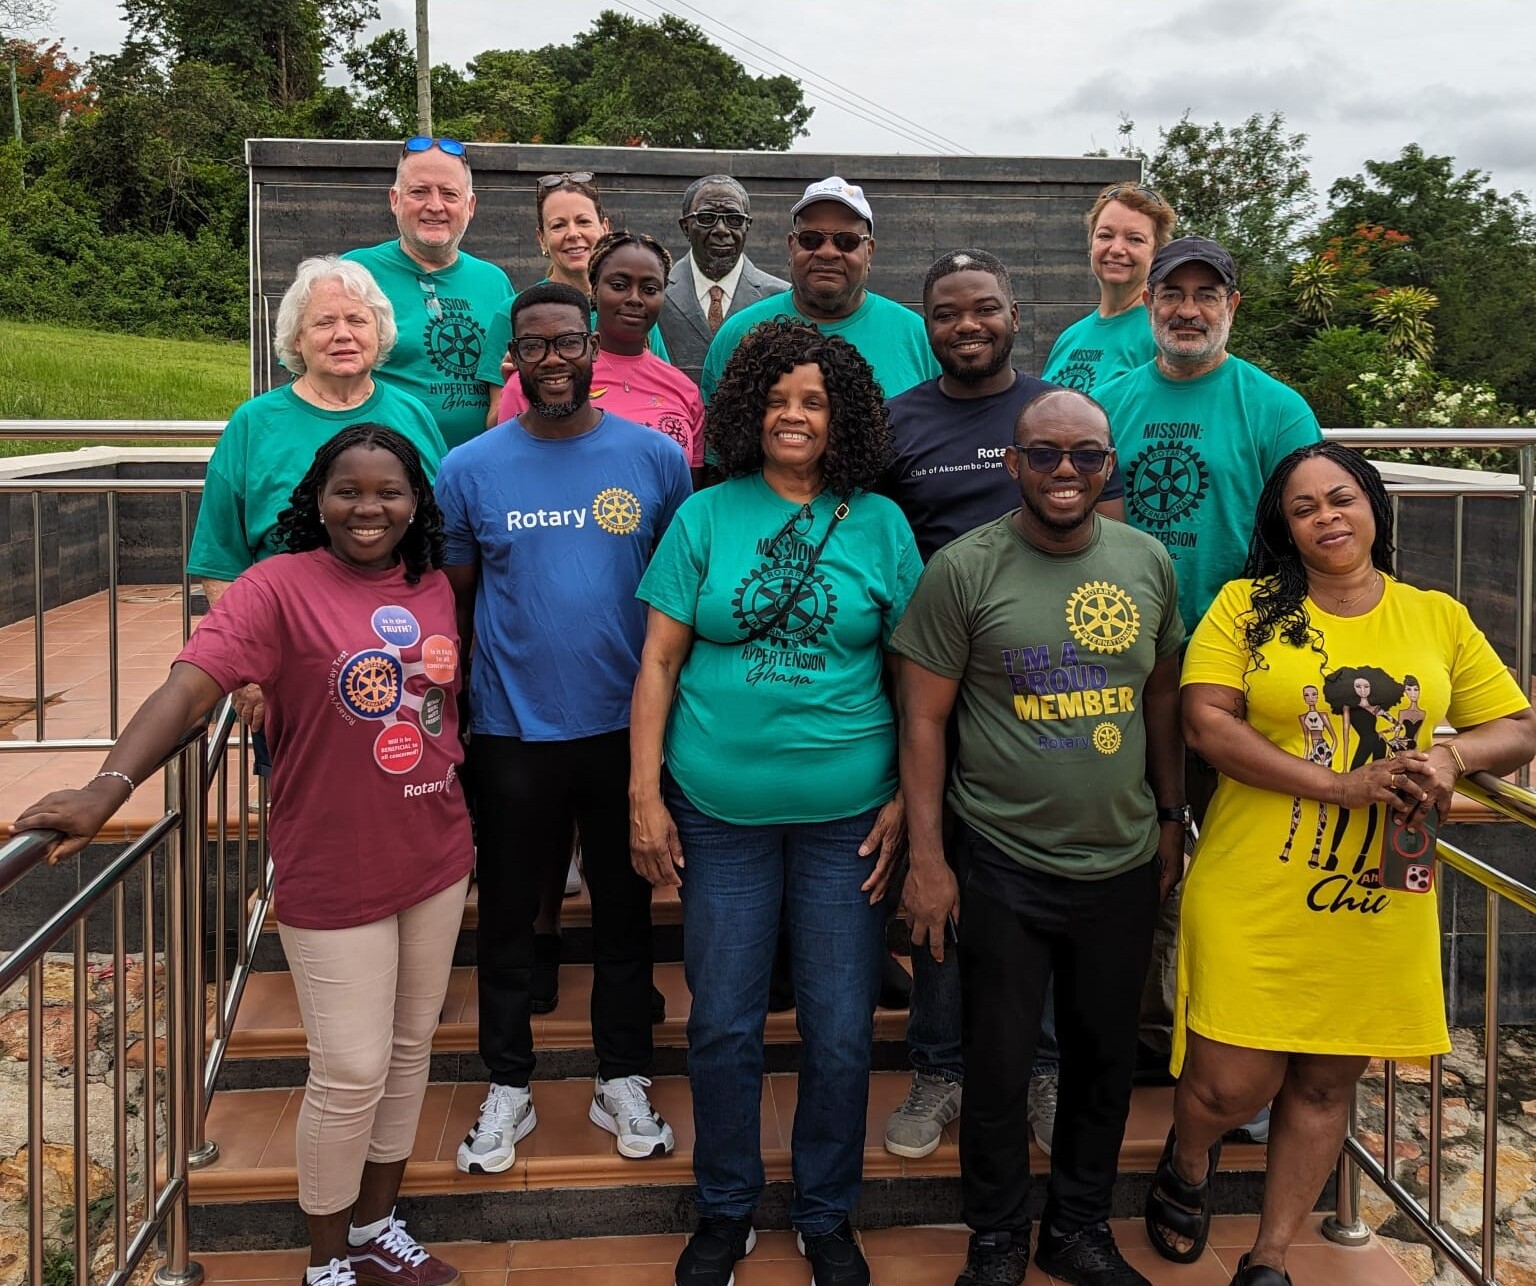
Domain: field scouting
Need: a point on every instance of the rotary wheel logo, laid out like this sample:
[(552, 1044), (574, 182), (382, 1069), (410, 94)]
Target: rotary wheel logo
[(796, 606), (1106, 738), (454, 345), (1168, 482), (370, 684), (1103, 617), (1078, 375), (617, 511)]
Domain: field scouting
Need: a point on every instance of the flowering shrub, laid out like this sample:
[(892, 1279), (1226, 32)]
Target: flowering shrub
[(1409, 394)]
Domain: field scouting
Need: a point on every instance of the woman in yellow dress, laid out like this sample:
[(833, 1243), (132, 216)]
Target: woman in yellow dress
[(1293, 975)]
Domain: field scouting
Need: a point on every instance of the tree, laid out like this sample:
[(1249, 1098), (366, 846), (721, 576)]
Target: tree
[(278, 48), (1246, 187), (51, 87)]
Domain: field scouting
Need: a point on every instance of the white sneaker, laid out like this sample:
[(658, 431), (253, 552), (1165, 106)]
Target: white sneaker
[(506, 1116), (573, 876), (336, 1273), (1042, 1110), (621, 1107)]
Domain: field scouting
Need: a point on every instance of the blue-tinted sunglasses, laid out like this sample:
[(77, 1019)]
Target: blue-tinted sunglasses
[(425, 143)]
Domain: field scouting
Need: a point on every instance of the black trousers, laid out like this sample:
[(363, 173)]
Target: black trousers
[(528, 795), (1018, 928)]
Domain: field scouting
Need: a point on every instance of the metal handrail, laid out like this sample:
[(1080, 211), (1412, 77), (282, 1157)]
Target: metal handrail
[(1345, 1226)]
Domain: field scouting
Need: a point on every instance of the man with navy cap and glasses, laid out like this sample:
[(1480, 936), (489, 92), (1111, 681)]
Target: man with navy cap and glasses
[(830, 251), (451, 308)]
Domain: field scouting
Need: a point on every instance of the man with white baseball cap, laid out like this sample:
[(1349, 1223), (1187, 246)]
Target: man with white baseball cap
[(830, 251)]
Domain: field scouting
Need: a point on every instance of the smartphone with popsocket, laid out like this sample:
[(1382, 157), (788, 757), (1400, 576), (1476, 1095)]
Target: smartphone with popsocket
[(1408, 854)]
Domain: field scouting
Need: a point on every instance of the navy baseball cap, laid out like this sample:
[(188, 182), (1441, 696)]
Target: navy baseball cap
[(1192, 250)]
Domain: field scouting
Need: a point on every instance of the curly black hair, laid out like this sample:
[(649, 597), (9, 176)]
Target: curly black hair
[(859, 437), (299, 528), (1274, 563)]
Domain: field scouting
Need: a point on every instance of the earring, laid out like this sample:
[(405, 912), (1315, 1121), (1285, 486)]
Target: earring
[(322, 520), (411, 519)]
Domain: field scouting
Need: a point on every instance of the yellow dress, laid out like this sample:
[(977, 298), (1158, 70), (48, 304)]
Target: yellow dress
[(1286, 940)]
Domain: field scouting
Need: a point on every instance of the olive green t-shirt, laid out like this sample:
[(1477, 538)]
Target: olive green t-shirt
[(1052, 652)]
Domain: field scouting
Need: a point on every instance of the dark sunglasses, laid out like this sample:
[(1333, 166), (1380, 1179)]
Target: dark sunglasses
[(1048, 459), (846, 242), (560, 180), (708, 219), (1150, 193), (425, 143), (534, 348)]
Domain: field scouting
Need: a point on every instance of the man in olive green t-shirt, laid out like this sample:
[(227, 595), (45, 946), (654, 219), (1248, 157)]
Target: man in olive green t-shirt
[(1054, 636)]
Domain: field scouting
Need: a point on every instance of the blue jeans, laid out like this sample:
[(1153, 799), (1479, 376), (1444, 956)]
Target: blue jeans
[(736, 881)]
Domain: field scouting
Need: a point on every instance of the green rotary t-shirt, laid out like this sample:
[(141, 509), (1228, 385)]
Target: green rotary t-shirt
[(454, 325), (263, 454), (1196, 453), (888, 335), (1095, 350), (793, 725), (1052, 652)]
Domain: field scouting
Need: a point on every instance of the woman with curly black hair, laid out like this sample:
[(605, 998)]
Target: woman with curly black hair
[(772, 598), (350, 633), (1277, 953)]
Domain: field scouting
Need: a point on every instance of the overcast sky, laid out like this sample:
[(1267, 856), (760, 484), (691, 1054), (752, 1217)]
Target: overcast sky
[(1361, 78)]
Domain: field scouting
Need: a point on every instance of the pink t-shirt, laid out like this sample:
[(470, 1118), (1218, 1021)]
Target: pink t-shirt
[(360, 672), (643, 389)]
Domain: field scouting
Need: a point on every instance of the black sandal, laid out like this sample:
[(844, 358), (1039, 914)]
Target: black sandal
[(1174, 1206), (1259, 1275)]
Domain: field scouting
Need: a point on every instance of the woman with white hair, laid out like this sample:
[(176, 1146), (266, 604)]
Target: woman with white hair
[(335, 327)]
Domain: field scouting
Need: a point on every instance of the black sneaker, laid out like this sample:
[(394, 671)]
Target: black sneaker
[(709, 1258), (995, 1259), (836, 1259), (1087, 1257)]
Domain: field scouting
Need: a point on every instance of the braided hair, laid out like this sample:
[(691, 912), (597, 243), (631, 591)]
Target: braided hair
[(299, 528), (1274, 563), (617, 240)]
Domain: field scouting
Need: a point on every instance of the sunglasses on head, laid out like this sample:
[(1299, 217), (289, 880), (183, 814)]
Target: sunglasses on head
[(1048, 459), (846, 242), (425, 143), (560, 180), (1150, 193), (708, 219)]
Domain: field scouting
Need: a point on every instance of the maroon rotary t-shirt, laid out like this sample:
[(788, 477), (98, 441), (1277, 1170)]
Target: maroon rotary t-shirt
[(360, 672)]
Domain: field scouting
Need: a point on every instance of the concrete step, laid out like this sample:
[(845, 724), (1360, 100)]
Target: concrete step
[(568, 1180)]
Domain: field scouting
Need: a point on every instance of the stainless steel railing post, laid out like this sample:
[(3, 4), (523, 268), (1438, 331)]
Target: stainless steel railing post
[(1344, 1225)]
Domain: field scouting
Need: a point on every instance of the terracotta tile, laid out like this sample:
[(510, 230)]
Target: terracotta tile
[(563, 1129), (1240, 1231), (597, 1251), (753, 1271), (776, 1244), (607, 1275), (484, 1277), (242, 1122), (251, 1266), (269, 1002), (1369, 1265), (282, 1148), (460, 1003), (473, 1256), (432, 1122), (895, 1242), (1131, 1237)]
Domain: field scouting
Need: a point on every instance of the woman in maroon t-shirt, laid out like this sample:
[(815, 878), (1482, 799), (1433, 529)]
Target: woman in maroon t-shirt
[(351, 635)]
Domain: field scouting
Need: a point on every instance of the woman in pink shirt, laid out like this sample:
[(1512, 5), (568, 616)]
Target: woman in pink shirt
[(628, 276)]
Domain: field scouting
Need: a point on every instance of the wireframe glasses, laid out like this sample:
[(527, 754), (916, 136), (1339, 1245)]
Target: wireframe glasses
[(534, 348), (812, 239), (708, 219), (1205, 297), (425, 143), (1048, 459)]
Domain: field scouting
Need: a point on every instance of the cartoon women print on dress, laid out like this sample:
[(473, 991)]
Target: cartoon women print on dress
[(1365, 696), (1321, 742)]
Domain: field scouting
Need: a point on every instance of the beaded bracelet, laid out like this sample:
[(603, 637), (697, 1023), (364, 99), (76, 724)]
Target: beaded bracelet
[(122, 776)]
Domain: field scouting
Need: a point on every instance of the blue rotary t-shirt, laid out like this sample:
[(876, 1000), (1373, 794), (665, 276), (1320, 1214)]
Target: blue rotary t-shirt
[(562, 530)]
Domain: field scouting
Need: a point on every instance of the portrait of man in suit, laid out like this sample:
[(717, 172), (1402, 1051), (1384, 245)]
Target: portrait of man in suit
[(715, 278)]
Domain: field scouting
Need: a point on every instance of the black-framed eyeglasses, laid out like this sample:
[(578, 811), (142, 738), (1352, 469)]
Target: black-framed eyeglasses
[(1048, 459), (1152, 194), (560, 180), (534, 348), (812, 239), (429, 294), (425, 143), (731, 218), (1205, 297)]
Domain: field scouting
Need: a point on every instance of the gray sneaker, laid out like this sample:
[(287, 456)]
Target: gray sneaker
[(1042, 1110), (913, 1129)]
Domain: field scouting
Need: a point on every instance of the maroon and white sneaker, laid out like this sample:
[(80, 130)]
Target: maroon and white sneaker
[(395, 1258)]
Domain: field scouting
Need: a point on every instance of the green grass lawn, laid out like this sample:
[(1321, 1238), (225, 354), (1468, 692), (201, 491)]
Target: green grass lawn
[(58, 373)]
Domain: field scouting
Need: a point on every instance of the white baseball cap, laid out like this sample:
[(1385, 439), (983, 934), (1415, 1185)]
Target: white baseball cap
[(836, 188)]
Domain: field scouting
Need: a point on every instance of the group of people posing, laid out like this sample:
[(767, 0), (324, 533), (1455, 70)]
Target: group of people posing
[(874, 620)]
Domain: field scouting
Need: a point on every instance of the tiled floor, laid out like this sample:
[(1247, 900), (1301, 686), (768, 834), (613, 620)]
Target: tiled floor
[(897, 1257)]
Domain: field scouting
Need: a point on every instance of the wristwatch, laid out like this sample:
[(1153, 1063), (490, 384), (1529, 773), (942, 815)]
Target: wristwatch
[(1181, 814)]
